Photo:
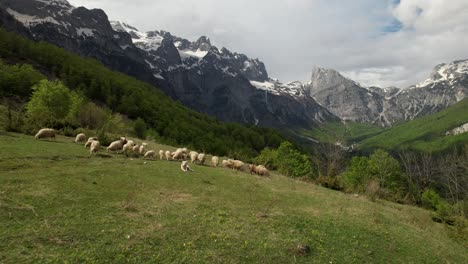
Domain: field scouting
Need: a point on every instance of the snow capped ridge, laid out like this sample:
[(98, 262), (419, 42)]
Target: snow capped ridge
[(445, 72), (274, 86)]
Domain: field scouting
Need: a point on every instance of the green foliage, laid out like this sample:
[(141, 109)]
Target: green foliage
[(287, 159), (430, 199), (140, 128), (380, 167), (292, 162), (268, 157), (387, 170), (358, 174), (17, 80), (52, 103), (171, 121)]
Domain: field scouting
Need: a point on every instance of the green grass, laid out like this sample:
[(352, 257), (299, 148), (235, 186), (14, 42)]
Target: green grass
[(423, 134), (59, 205), (350, 132)]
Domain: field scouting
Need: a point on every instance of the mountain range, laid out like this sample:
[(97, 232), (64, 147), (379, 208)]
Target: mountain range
[(225, 84)]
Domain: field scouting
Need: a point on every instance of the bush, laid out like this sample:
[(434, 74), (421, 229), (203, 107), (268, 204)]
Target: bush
[(292, 162), (357, 175), (140, 128), (430, 199), (268, 157)]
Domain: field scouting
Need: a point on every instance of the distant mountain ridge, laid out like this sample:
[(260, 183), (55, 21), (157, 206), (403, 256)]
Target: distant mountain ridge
[(229, 85)]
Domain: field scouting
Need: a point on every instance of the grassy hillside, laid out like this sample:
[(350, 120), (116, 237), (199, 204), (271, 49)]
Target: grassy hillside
[(424, 134), (348, 132), (59, 205)]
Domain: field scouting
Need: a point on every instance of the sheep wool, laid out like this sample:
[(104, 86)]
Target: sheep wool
[(214, 161), (45, 133), (80, 138), (95, 145)]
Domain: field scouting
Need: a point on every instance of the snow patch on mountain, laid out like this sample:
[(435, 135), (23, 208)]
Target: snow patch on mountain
[(29, 21)]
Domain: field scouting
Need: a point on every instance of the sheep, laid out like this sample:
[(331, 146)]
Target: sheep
[(95, 145), (178, 154), (237, 164), (117, 145), (142, 148), (214, 161), (90, 140), (262, 170), (80, 138), (45, 133), (184, 166), (161, 154), (150, 154), (128, 146), (168, 155), (185, 150), (227, 163), (201, 158), (259, 170), (193, 156)]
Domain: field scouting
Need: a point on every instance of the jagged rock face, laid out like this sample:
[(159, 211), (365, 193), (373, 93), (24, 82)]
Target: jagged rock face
[(348, 100), (85, 32), (195, 73), (344, 97)]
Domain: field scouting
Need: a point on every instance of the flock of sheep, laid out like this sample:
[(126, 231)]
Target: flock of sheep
[(130, 148)]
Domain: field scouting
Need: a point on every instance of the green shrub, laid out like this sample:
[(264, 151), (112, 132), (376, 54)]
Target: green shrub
[(430, 199), (140, 128), (357, 175), (268, 157), (292, 162)]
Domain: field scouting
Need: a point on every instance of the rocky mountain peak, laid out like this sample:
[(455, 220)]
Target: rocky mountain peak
[(322, 79), (203, 43)]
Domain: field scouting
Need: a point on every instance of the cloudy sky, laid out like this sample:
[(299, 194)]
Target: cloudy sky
[(375, 42)]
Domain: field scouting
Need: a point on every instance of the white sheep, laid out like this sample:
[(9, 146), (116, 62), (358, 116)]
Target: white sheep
[(193, 156), (142, 148), (214, 161), (136, 149), (117, 145), (184, 166), (45, 133), (161, 154), (168, 155), (150, 154), (80, 138), (128, 146), (228, 163), (90, 140), (237, 164), (178, 154), (201, 158), (95, 145)]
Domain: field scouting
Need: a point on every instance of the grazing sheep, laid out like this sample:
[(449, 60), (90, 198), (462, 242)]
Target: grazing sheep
[(45, 133), (80, 138), (95, 145), (185, 150), (214, 161), (117, 145), (136, 148), (201, 158), (227, 163), (252, 168), (262, 170), (193, 156), (161, 154), (124, 140), (128, 146), (168, 155), (178, 154), (150, 154), (142, 148), (237, 164), (90, 140), (184, 166)]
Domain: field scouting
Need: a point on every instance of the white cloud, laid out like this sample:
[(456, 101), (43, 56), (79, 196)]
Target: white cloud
[(291, 36)]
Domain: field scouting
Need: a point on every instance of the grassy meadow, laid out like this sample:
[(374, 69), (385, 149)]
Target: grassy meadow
[(58, 204)]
